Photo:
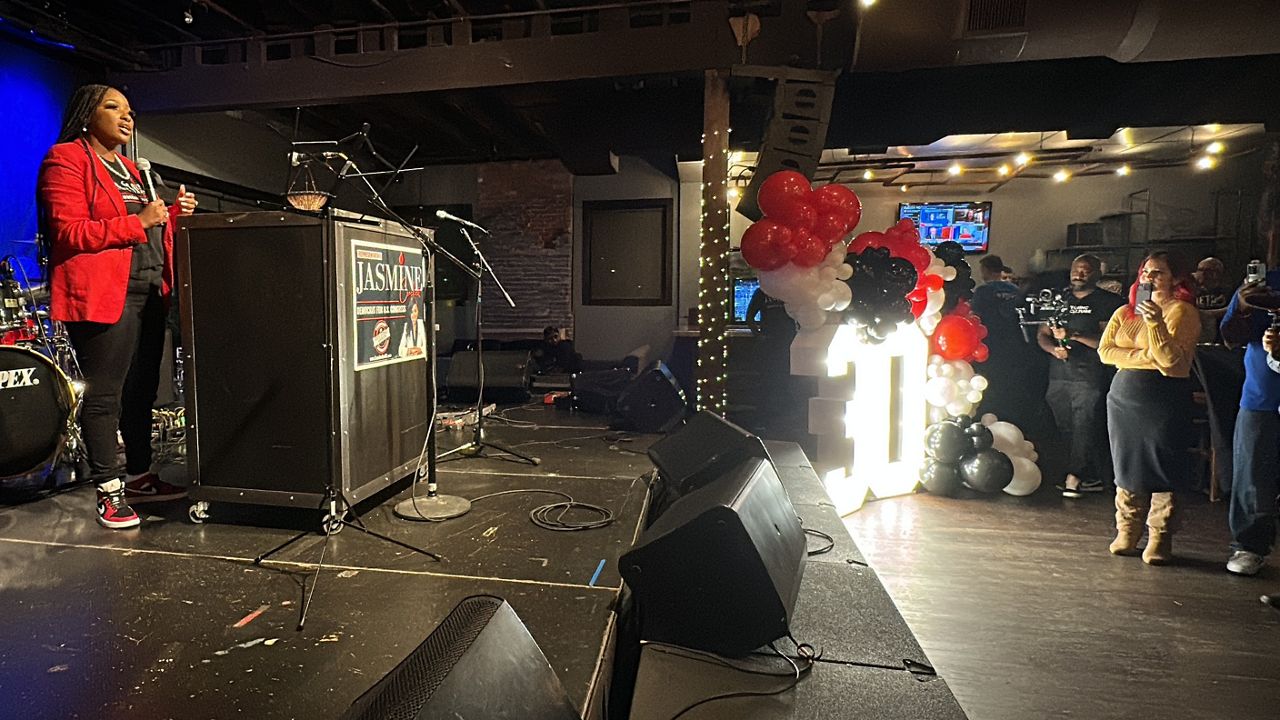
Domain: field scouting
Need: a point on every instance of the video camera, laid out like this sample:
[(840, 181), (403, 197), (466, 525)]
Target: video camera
[(1049, 307)]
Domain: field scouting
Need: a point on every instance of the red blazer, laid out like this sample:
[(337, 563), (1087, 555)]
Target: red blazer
[(91, 235)]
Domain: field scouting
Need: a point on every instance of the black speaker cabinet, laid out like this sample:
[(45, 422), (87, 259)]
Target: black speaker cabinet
[(480, 662), (506, 376), (721, 569), (653, 402), (704, 448), (597, 391), (304, 364)]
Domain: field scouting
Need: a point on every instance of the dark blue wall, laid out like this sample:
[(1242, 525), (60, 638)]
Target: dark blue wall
[(34, 87)]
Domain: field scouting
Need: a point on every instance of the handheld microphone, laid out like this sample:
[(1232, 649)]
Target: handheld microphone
[(148, 184), (447, 216)]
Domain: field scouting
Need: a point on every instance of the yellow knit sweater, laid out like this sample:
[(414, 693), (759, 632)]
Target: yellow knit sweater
[(1131, 343)]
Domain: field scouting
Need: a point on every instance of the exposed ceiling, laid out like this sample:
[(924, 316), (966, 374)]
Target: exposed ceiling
[(922, 70)]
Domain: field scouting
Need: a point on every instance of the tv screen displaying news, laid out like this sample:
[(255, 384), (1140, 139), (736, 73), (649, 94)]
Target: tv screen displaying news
[(968, 223), (743, 289)]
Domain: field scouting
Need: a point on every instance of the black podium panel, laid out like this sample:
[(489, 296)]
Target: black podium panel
[(293, 380)]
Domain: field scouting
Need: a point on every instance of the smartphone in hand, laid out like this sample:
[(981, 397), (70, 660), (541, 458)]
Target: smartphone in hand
[(1145, 291)]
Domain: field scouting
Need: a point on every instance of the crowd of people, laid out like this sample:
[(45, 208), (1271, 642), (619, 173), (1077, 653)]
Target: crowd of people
[(1120, 391)]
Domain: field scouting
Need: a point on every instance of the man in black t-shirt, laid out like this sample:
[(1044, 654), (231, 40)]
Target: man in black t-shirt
[(1078, 381), (1213, 297)]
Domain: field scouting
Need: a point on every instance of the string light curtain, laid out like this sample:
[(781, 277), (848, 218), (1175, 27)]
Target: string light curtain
[(713, 253)]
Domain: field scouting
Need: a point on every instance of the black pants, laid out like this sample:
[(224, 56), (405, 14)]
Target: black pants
[(1080, 412), (121, 366)]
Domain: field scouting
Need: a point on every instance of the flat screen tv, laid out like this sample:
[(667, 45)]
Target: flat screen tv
[(743, 289), (968, 223)]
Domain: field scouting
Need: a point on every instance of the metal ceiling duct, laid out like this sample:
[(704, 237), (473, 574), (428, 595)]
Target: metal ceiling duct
[(905, 34)]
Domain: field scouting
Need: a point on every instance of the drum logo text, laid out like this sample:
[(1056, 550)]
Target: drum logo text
[(18, 377)]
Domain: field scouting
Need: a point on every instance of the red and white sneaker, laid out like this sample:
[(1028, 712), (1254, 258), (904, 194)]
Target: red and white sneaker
[(113, 510), (148, 487)]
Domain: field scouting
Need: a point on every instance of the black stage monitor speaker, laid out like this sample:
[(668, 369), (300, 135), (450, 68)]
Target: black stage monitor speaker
[(721, 569), (480, 662), (506, 376), (597, 391), (653, 402), (706, 447)]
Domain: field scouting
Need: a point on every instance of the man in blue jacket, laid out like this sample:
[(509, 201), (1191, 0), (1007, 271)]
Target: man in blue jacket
[(1255, 482)]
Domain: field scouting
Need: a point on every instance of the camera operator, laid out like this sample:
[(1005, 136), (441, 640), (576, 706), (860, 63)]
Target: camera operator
[(1078, 381), (1256, 443)]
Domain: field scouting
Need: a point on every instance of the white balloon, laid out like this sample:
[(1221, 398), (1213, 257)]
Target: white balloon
[(937, 414), (1007, 438), (1028, 447), (844, 272), (1026, 477), (974, 397), (936, 360), (1033, 456), (827, 301), (978, 383), (988, 419), (827, 274), (947, 370), (962, 369), (932, 371), (959, 407), (948, 274), (940, 392)]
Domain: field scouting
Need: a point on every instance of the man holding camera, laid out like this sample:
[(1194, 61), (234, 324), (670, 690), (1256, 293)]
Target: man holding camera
[(1078, 381), (1256, 444)]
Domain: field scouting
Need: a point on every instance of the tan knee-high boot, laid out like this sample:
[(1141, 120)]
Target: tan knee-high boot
[(1131, 512), (1160, 526)]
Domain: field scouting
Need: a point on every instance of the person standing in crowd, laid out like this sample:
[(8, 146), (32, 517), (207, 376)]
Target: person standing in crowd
[(1016, 373), (1256, 443), (990, 268), (1212, 297), (1006, 274), (111, 274), (1152, 342), (1078, 381)]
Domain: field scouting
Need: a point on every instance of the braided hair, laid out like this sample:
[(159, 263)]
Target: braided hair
[(84, 101)]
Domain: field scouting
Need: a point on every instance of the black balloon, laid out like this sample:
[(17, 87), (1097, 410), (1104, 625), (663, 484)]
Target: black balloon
[(941, 478), (980, 435), (961, 288), (879, 286), (987, 470), (946, 442)]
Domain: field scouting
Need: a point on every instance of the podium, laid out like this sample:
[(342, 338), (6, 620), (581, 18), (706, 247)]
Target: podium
[(304, 363)]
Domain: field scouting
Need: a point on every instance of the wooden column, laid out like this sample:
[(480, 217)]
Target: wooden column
[(713, 254)]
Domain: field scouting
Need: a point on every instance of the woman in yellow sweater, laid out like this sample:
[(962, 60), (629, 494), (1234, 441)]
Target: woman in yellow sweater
[(1149, 408)]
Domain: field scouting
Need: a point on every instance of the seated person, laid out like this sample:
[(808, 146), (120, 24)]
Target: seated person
[(554, 354)]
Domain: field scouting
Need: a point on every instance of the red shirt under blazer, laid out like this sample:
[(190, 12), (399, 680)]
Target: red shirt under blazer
[(91, 235)]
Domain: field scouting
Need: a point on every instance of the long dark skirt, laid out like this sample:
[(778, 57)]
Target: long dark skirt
[(1149, 421)]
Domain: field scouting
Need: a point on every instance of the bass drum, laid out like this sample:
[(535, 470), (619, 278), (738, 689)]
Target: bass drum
[(38, 404)]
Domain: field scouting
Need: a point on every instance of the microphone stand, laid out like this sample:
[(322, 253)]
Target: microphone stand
[(475, 447)]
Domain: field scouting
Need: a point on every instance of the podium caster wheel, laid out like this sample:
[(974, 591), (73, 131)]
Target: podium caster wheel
[(198, 512), (332, 524)]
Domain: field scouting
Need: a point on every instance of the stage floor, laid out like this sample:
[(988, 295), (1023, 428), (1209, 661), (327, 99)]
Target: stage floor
[(142, 623), (1021, 608)]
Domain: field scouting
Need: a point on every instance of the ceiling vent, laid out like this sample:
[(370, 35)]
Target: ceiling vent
[(996, 16)]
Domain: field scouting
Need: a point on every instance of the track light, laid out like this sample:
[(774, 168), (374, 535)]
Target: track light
[(187, 16), (1206, 162), (955, 169), (1214, 148), (868, 175), (1061, 176), (1123, 170), (903, 188), (867, 3), (1003, 170), (1022, 159)]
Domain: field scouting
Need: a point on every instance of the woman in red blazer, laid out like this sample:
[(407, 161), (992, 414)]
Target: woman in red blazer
[(111, 273)]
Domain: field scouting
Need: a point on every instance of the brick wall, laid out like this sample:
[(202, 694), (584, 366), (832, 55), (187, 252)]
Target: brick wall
[(528, 209)]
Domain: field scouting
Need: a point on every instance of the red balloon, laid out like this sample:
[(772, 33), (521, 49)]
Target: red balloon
[(796, 214), (780, 189), (810, 249), (955, 338), (917, 307), (981, 353), (830, 227), (906, 226), (838, 199), (767, 245), (931, 282), (865, 240)]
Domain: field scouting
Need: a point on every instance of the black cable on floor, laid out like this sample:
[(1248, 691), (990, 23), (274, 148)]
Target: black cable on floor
[(831, 542), (797, 672), (547, 517)]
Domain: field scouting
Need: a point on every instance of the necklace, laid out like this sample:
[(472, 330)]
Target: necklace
[(116, 168)]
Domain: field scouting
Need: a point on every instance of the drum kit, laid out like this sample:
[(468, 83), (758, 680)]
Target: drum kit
[(40, 390)]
